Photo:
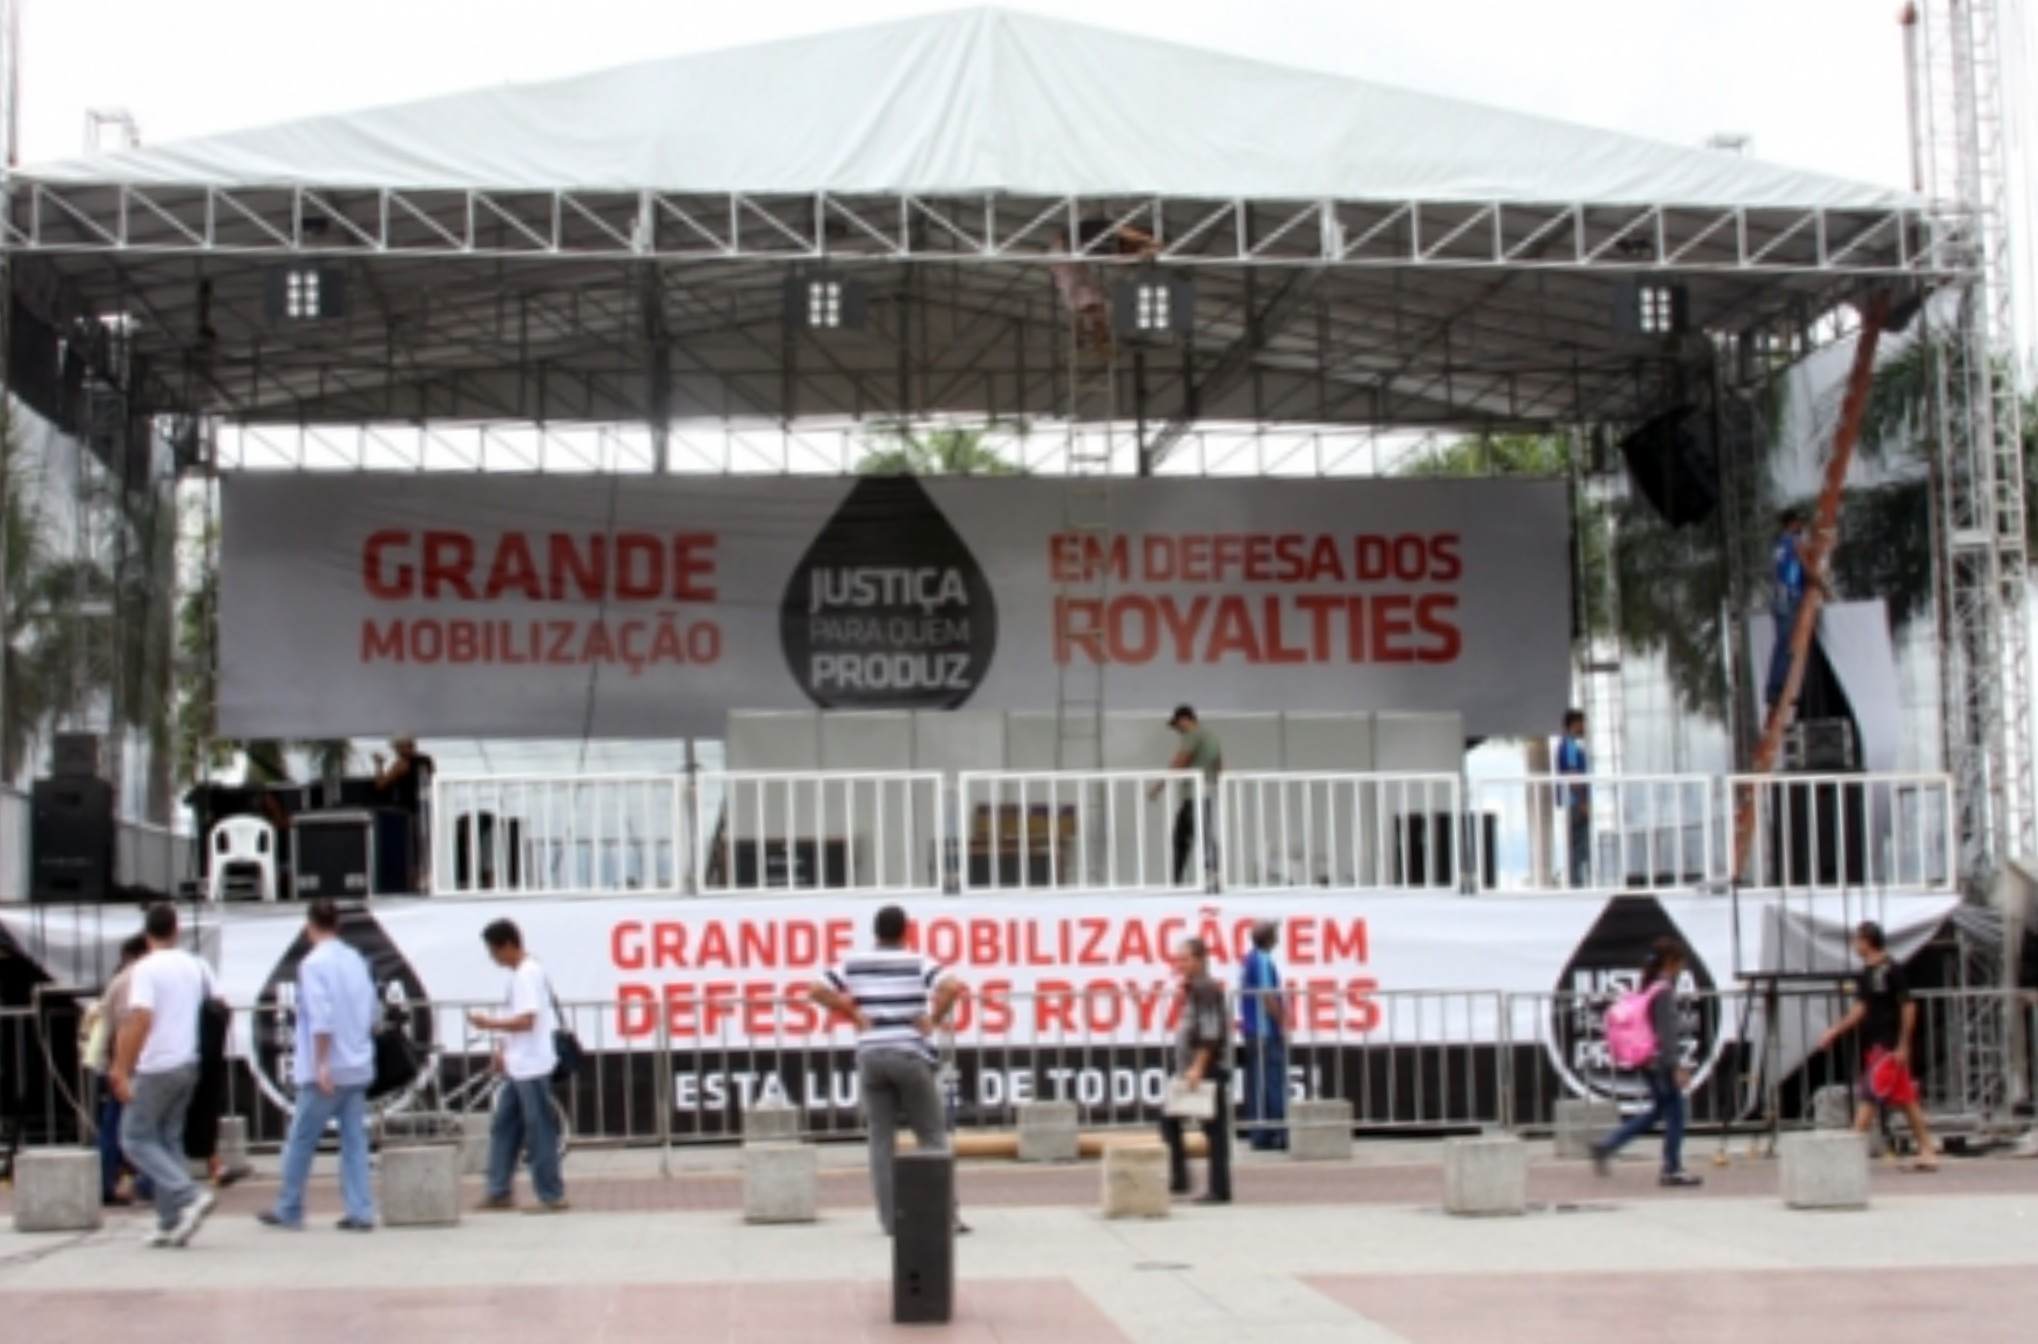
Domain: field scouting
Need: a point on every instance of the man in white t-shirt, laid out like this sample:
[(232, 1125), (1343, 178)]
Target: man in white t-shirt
[(525, 1058), (155, 1074)]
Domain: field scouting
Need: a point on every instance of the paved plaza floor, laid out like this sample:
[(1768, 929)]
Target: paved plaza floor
[(1348, 1252)]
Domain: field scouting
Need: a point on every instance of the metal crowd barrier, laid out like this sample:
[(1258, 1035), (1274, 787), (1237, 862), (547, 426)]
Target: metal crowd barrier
[(1122, 830), (1832, 832), (683, 1069), (840, 831), (538, 835)]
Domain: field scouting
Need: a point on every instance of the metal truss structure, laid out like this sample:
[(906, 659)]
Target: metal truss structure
[(1957, 79), (623, 308)]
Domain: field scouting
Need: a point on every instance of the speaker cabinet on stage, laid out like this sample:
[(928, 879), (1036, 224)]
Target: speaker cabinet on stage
[(1673, 465), (1418, 835), (71, 840), (1818, 833), (923, 1238), (477, 831), (350, 855), (75, 756)]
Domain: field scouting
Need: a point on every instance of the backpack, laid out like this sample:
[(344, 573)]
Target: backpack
[(1630, 1035)]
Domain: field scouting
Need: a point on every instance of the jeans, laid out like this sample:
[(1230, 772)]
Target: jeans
[(1266, 1092), (523, 1123), (152, 1136), (1216, 1133), (1779, 656), (1666, 1105), (315, 1110), (895, 1084), (1185, 839), (110, 1158), (1581, 844)]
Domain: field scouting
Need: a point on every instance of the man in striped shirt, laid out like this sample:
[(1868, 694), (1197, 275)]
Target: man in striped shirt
[(897, 999)]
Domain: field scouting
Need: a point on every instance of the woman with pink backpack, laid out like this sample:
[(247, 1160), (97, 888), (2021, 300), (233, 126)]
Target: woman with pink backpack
[(1642, 1034)]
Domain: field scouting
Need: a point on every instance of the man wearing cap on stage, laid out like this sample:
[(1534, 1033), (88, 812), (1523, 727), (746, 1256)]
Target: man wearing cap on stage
[(1199, 750)]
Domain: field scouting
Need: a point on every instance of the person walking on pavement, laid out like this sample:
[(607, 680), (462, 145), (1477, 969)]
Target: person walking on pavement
[(1199, 750), (333, 1064), (524, 1056), (1202, 1042), (101, 1031), (1665, 1075), (896, 999), (1888, 1016), (155, 1073), (1263, 1026)]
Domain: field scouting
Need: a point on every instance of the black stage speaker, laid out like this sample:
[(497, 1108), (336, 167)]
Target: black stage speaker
[(75, 756), (476, 831), (71, 840), (1818, 834), (1672, 462), (1419, 834), (350, 855), (923, 1238)]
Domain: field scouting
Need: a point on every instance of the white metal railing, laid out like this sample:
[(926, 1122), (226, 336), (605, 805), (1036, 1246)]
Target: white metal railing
[(1125, 830), (1017, 831), (537, 835), (1626, 832), (839, 831), (1292, 829), (15, 816), (152, 858), (1814, 832)]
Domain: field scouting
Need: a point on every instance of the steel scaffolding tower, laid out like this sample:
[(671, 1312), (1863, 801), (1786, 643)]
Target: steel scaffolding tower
[(1960, 158)]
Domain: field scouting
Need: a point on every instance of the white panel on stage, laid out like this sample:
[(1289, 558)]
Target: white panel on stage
[(774, 740), (1327, 742), (1250, 741), (867, 741), (963, 739), (1419, 743)]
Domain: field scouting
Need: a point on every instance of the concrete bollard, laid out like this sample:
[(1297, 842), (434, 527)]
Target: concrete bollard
[(420, 1186), (233, 1146), (1136, 1181), (781, 1183), (474, 1146), (771, 1122), (1486, 1176), (57, 1190), (1581, 1123), (1824, 1169), (1320, 1130), (1833, 1107), (1047, 1132)]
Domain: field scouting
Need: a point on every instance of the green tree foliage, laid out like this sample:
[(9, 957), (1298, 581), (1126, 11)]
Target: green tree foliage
[(904, 450)]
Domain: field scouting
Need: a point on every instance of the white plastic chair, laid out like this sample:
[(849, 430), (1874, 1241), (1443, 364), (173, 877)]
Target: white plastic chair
[(243, 840)]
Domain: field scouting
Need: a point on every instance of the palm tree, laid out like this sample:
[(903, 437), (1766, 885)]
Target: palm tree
[(899, 449)]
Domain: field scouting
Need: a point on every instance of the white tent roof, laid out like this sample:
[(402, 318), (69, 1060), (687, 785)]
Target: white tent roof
[(976, 100)]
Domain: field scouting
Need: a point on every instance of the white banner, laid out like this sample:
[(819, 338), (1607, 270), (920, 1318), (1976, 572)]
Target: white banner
[(546, 606)]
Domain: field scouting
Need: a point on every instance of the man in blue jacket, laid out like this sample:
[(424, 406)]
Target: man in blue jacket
[(1262, 1021)]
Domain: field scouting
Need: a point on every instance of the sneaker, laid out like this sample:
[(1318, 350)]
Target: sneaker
[(1680, 1179), (116, 1201), (496, 1204), (156, 1238), (556, 1206), (1602, 1161), (354, 1225), (1211, 1199), (194, 1215), (232, 1176), (271, 1218)]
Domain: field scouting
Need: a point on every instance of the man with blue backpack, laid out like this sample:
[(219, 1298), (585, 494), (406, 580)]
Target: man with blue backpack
[(1641, 1033)]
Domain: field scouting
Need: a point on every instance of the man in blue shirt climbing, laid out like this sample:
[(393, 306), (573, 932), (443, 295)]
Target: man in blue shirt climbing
[(1571, 760), (1787, 599)]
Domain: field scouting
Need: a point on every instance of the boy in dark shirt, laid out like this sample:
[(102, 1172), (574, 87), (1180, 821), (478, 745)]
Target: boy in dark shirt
[(1888, 1019)]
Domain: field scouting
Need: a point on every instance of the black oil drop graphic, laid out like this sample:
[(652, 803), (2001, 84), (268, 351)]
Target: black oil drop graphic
[(888, 609), (1606, 964), (397, 985)]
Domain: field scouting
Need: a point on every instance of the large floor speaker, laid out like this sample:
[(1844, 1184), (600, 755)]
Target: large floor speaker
[(351, 854), (71, 840), (481, 861), (1419, 835), (1818, 834), (923, 1238), (1672, 462)]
